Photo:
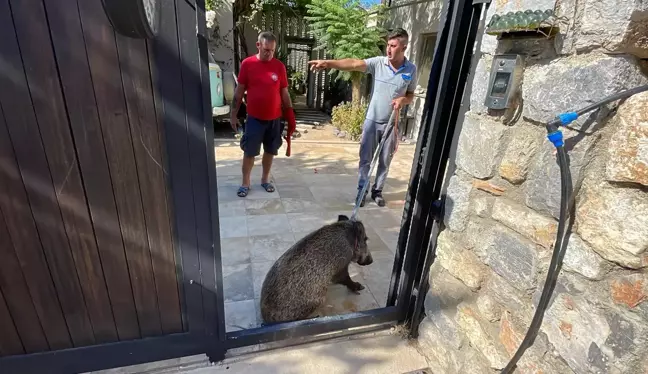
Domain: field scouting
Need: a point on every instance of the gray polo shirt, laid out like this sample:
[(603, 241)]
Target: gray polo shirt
[(388, 85)]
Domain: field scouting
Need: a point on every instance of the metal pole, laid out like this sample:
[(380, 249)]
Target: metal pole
[(386, 134), (415, 173)]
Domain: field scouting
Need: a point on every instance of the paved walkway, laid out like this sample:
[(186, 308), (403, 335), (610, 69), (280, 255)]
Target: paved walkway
[(313, 186), (386, 354)]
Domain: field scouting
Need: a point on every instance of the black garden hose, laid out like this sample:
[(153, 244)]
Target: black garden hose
[(564, 223)]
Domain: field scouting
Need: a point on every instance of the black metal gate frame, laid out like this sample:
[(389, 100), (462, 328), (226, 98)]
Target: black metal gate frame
[(423, 206)]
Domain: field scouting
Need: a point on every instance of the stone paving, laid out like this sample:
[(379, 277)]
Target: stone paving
[(313, 186)]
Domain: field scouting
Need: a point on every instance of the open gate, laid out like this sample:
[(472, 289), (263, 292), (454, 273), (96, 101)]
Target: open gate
[(109, 230), (106, 225)]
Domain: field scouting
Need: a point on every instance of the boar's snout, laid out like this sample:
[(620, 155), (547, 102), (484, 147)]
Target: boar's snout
[(365, 260)]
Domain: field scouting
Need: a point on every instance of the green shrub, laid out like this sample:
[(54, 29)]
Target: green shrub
[(297, 81), (348, 117), (212, 4), (292, 94)]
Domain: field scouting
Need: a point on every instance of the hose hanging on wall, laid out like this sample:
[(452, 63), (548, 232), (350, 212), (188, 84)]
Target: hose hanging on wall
[(564, 223)]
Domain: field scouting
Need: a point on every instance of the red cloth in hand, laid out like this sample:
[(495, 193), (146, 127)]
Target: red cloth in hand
[(289, 116)]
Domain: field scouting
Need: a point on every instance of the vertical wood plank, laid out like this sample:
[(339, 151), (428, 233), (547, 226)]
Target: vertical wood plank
[(318, 76), (282, 33), (109, 93), (72, 62), (164, 66), (9, 340), (37, 180), (171, 75), (210, 258), (287, 25), (322, 79), (23, 234), (44, 84), (275, 24), (193, 95), (311, 82), (192, 91), (12, 282), (327, 84), (141, 113)]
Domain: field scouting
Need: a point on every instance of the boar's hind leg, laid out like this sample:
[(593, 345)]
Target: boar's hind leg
[(344, 278)]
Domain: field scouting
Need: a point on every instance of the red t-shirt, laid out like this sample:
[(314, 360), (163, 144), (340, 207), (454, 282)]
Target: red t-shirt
[(263, 81)]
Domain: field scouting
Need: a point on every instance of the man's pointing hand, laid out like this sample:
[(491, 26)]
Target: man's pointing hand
[(317, 65)]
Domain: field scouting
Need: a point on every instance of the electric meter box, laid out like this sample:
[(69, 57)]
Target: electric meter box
[(505, 77)]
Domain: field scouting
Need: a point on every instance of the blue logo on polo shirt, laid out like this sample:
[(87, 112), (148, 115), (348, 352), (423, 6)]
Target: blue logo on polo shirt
[(407, 77)]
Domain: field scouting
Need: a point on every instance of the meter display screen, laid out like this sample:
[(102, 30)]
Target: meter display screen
[(500, 84)]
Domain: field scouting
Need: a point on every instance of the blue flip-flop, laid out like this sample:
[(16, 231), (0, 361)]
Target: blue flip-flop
[(243, 191), (268, 187)]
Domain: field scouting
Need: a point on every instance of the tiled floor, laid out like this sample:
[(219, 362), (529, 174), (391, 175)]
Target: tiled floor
[(313, 186)]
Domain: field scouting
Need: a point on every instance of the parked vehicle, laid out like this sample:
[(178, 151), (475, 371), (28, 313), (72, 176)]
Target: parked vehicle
[(220, 109)]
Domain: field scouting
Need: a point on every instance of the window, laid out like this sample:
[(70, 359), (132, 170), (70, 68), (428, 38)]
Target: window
[(425, 57)]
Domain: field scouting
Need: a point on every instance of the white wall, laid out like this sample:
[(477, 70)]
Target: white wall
[(221, 42), (417, 20)]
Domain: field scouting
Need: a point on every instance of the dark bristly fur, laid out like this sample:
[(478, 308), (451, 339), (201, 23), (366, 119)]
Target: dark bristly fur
[(296, 284)]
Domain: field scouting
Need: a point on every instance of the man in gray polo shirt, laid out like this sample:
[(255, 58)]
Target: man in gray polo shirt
[(394, 83)]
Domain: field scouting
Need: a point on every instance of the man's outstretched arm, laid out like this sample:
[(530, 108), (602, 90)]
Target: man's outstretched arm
[(345, 64)]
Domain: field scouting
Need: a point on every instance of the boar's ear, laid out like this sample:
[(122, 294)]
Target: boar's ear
[(359, 231), (342, 217)]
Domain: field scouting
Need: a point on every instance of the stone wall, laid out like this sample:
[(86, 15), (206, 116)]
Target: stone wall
[(503, 202)]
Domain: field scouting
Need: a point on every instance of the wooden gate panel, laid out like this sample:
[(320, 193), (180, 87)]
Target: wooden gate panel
[(24, 238), (166, 77), (37, 179), (113, 118), (144, 132), (45, 89), (30, 182), (14, 287), (71, 57), (9, 339), (107, 225)]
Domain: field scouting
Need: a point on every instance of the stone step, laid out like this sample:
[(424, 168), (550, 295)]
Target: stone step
[(309, 116)]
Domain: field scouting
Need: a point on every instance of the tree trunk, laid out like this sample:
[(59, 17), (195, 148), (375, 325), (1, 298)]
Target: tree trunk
[(356, 95)]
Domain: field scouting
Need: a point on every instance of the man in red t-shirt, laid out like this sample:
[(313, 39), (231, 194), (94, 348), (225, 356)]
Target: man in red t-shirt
[(266, 82)]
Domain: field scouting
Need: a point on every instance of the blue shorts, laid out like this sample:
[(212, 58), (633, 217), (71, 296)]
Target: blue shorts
[(257, 132)]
